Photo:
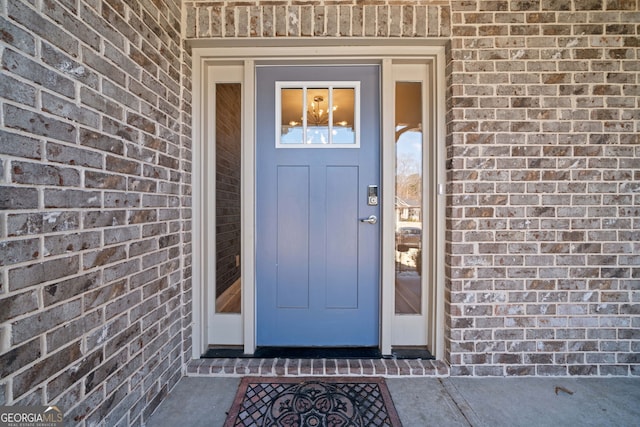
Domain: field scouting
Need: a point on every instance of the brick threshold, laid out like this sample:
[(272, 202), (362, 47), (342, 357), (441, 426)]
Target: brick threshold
[(285, 367)]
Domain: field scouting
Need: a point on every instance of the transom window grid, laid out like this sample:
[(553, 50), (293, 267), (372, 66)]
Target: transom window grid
[(318, 114)]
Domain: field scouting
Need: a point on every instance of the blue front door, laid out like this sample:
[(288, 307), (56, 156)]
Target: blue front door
[(317, 263)]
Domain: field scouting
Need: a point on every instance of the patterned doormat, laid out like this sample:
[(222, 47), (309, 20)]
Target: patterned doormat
[(312, 402)]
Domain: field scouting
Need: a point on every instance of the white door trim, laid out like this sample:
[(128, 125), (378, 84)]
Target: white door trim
[(249, 53)]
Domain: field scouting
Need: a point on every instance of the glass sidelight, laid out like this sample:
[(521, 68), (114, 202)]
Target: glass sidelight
[(415, 198), (220, 162), (228, 131), (409, 198)]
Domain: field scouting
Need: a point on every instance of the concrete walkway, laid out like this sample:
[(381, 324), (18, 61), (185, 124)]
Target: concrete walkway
[(451, 401)]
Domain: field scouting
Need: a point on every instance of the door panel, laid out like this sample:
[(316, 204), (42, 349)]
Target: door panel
[(293, 237), (342, 237), (317, 265)]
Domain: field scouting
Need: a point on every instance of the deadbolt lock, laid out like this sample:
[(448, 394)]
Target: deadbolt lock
[(372, 195)]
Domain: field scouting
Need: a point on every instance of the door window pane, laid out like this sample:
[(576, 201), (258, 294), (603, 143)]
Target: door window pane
[(344, 124), (291, 120), (228, 142), (318, 105), (320, 114), (408, 206)]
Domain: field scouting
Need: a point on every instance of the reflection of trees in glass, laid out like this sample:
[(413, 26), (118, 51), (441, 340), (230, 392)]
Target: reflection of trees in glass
[(408, 178), (409, 169)]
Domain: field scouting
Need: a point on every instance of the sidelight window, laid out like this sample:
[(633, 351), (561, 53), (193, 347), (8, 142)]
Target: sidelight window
[(409, 206), (228, 132), (414, 204)]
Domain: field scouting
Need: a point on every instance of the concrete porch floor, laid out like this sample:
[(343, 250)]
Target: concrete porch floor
[(449, 401)]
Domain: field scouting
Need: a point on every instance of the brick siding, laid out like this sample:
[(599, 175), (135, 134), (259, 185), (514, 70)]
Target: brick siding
[(544, 205), (316, 18), (543, 161), (94, 206)]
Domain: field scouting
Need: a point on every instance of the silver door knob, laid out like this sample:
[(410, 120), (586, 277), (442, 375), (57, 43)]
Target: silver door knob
[(371, 220)]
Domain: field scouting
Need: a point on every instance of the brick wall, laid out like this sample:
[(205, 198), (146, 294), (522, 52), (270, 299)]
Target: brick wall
[(94, 206), (316, 18), (544, 205), (543, 149)]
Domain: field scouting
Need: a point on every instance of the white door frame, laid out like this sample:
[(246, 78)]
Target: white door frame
[(248, 53)]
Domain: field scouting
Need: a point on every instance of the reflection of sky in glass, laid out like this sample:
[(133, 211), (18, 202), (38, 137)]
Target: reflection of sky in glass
[(291, 135), (317, 135), (343, 135), (409, 146)]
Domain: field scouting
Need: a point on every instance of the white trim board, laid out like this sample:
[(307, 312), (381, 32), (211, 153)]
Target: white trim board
[(248, 55)]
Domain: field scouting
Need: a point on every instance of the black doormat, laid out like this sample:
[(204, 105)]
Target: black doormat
[(312, 401)]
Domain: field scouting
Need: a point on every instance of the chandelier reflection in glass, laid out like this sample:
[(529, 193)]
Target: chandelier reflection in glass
[(318, 116)]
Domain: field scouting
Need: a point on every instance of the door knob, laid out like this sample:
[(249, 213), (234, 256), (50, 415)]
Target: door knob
[(371, 220)]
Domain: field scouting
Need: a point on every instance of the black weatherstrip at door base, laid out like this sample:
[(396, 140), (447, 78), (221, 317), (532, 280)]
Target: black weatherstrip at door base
[(298, 353), (223, 353), (411, 353), (318, 353)]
